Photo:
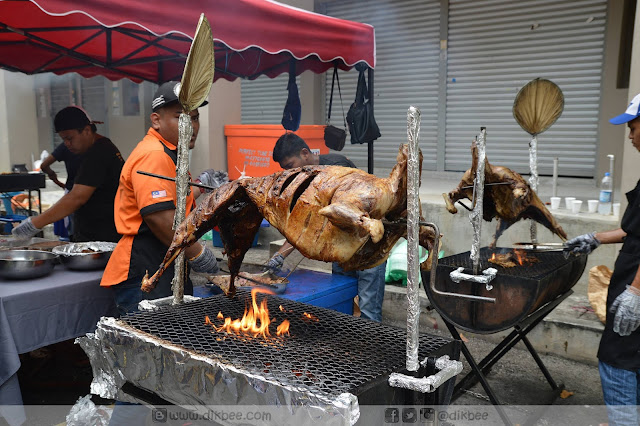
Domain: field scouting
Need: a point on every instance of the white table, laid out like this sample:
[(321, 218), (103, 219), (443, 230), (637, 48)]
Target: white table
[(40, 312)]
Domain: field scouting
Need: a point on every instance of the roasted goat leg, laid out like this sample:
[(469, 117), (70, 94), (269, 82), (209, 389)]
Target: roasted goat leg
[(328, 213), (509, 202)]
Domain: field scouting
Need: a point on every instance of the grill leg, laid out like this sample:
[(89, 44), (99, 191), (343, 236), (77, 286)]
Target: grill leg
[(476, 371), (538, 361)]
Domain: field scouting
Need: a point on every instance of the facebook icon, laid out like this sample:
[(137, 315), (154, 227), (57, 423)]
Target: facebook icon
[(392, 415)]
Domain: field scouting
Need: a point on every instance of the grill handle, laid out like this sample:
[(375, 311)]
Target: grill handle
[(448, 369), (457, 276)]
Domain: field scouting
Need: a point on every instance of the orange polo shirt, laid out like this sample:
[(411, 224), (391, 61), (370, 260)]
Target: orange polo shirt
[(139, 251)]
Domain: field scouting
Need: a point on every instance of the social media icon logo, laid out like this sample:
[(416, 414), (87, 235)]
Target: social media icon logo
[(392, 415), (409, 415), (427, 414), (159, 415)]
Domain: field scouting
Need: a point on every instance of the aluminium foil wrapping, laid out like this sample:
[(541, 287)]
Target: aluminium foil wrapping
[(476, 214), (533, 180), (120, 353), (413, 228)]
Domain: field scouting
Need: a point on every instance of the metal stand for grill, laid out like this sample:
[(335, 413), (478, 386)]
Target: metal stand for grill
[(519, 333)]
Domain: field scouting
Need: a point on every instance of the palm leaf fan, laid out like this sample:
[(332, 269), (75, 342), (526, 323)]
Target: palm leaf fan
[(197, 77), (538, 105)]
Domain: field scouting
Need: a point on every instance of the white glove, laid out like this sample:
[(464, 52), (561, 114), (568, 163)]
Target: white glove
[(584, 244), (205, 262), (627, 310), (275, 263), (25, 230)]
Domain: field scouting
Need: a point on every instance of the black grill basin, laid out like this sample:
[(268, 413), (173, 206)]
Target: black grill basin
[(330, 354), (518, 291)]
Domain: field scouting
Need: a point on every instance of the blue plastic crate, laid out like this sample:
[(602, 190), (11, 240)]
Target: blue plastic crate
[(9, 220)]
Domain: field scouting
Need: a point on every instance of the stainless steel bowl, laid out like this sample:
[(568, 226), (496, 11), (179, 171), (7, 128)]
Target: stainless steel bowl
[(26, 264), (72, 256)]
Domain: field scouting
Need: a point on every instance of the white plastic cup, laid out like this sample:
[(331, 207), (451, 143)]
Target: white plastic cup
[(555, 203), (576, 206), (569, 202), (616, 209), (593, 206)]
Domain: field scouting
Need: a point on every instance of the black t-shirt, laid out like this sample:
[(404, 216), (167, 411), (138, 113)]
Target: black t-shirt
[(624, 351), (71, 163), (99, 168), (335, 160)]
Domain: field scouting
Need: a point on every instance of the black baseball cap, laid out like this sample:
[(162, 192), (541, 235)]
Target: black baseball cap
[(70, 118), (167, 94)]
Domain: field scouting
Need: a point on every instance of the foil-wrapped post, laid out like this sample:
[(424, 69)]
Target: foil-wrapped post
[(448, 369), (182, 188), (533, 179), (413, 228), (554, 185), (478, 195)]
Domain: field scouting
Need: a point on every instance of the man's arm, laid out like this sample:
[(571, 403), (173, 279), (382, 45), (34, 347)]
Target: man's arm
[(66, 205), (160, 223), (611, 237), (46, 167)]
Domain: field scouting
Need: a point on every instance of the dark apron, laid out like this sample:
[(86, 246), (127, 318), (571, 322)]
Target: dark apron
[(618, 351)]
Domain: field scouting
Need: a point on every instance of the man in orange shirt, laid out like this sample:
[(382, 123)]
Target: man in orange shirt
[(145, 207)]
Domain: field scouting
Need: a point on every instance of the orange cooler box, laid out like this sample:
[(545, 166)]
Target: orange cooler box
[(250, 147)]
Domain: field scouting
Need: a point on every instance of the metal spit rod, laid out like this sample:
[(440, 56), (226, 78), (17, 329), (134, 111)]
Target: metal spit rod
[(478, 196), (533, 180)]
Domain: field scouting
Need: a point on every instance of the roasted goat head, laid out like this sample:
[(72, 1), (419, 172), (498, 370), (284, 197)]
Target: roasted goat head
[(510, 202), (329, 213)]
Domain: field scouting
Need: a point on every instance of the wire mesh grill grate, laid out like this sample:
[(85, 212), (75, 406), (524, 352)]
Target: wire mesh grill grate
[(549, 262), (335, 354)]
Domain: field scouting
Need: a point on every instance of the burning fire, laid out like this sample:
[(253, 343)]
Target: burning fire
[(513, 258), (255, 320)]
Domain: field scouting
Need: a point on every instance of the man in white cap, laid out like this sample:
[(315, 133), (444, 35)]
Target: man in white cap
[(95, 185), (619, 352)]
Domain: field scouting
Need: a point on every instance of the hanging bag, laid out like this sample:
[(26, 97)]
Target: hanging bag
[(292, 109), (362, 124), (335, 137)]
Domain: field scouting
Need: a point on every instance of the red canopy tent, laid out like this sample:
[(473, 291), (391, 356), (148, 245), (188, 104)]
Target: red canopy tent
[(149, 40)]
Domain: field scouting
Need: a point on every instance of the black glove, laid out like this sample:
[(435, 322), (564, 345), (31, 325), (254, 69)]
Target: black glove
[(584, 244), (213, 178), (205, 262)]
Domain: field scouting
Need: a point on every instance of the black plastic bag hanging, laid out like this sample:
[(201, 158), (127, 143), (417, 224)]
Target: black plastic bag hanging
[(362, 124), (292, 109)]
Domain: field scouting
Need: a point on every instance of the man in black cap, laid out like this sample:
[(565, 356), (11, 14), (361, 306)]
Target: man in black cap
[(145, 208), (96, 182)]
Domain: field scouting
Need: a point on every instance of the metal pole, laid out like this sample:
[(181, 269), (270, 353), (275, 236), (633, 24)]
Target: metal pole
[(413, 228), (370, 143), (554, 192), (612, 160)]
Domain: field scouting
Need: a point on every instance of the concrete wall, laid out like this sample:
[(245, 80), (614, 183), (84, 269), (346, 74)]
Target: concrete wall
[(18, 134)]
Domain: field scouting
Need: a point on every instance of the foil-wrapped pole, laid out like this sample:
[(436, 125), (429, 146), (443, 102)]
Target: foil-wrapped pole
[(413, 229), (182, 188), (554, 191), (478, 195), (533, 179)]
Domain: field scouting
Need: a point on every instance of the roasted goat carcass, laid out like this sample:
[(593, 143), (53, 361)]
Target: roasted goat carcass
[(329, 213), (509, 203)]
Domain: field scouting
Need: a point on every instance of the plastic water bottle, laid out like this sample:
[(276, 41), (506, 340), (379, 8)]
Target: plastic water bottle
[(604, 205)]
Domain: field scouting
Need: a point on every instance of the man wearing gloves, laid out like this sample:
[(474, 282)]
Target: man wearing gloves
[(619, 352), (96, 182), (145, 208)]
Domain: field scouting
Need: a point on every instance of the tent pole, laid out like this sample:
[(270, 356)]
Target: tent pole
[(370, 143)]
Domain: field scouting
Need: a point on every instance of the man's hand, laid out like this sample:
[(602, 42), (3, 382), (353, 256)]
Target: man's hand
[(212, 178), (25, 230), (274, 265), (627, 310), (584, 244), (205, 262)]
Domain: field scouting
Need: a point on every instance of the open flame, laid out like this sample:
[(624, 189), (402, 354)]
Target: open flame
[(513, 258), (255, 320)]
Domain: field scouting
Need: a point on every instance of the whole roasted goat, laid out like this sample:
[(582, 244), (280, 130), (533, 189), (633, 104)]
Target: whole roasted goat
[(329, 213), (509, 201)]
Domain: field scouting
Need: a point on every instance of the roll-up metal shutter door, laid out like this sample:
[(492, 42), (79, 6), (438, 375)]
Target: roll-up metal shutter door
[(62, 95), (263, 99), (94, 101), (406, 73), (494, 48)]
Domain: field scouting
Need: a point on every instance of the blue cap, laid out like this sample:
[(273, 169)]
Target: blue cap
[(633, 111)]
